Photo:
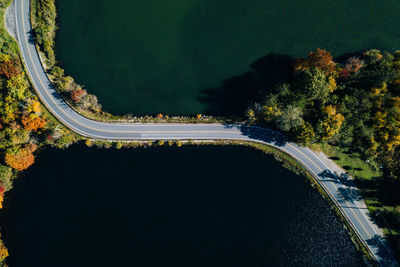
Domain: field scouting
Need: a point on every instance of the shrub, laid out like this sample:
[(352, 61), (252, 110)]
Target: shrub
[(77, 94), (353, 64)]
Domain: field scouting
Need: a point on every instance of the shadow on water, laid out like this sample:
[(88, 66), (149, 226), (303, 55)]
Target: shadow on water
[(235, 94)]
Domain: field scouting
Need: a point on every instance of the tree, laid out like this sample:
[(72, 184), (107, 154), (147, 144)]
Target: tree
[(330, 126), (89, 102), (291, 117), (36, 107), (9, 66), (314, 84), (3, 249), (32, 122), (77, 94), (251, 116), (19, 160), (319, 59), (353, 64), (304, 134)]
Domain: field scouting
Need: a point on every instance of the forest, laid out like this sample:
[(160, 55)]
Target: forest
[(352, 105), (355, 105)]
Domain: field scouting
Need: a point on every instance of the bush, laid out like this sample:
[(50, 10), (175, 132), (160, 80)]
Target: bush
[(44, 27)]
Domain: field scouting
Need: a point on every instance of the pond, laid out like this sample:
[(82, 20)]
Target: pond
[(192, 206), (154, 56)]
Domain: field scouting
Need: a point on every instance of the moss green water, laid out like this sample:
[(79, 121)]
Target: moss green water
[(151, 56)]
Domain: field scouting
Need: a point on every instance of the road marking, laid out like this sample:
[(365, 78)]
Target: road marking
[(358, 219), (77, 122), (140, 132)]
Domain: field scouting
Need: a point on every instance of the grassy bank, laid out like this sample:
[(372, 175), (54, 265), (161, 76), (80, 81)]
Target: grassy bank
[(350, 162)]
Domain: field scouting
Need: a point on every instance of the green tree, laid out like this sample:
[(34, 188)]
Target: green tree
[(314, 84), (291, 117)]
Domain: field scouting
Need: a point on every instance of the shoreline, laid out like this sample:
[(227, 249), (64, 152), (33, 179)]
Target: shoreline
[(333, 199)]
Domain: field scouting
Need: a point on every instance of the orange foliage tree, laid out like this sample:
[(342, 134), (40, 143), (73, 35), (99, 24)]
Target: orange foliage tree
[(20, 160), (32, 123), (320, 59)]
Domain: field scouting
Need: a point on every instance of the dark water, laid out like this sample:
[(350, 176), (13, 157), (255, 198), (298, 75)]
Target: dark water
[(150, 56), (193, 206)]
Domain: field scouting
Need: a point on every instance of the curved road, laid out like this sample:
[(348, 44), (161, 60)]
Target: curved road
[(341, 190)]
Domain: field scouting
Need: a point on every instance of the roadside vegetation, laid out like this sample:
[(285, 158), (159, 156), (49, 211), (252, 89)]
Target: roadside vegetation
[(25, 125), (350, 110), (43, 16)]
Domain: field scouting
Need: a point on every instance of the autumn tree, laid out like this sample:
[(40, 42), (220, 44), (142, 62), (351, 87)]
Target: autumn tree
[(3, 249), (21, 159), (77, 94), (353, 64), (9, 66), (304, 134), (32, 122), (319, 59), (330, 125), (35, 107)]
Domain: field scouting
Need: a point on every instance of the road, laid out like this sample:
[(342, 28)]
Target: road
[(341, 191)]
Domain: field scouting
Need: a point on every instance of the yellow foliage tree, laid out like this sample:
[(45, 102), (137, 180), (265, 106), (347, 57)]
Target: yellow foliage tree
[(331, 125), (271, 112), (3, 251), (331, 83), (305, 133), (36, 106), (379, 90), (330, 110)]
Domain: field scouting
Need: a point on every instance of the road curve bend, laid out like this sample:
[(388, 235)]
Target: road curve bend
[(342, 193)]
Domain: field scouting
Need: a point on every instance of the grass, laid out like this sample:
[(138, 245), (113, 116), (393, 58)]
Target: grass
[(8, 45), (372, 185), (353, 165)]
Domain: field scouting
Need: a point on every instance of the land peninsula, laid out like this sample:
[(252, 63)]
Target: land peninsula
[(348, 108)]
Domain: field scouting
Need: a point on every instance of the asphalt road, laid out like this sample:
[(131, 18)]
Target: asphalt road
[(340, 189)]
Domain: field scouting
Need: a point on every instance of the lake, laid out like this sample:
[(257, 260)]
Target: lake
[(192, 206), (154, 56)]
